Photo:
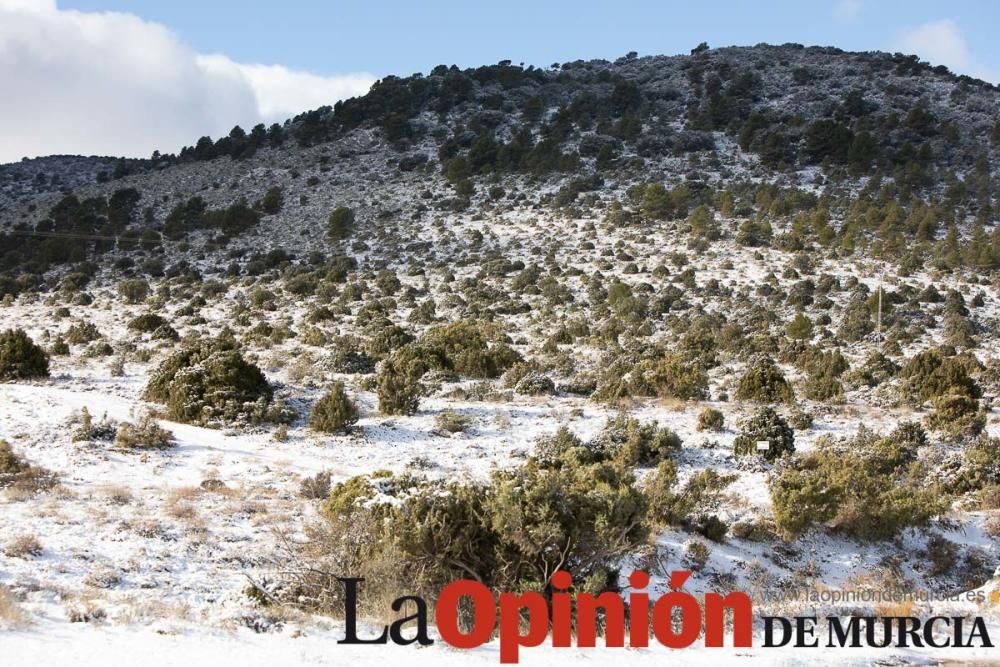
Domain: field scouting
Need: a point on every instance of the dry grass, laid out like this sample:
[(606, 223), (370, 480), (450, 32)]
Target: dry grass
[(102, 576), (117, 494), (85, 611), (142, 610), (12, 616), (181, 503), (23, 546)]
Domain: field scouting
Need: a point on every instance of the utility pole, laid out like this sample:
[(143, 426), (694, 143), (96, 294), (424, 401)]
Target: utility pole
[(878, 317)]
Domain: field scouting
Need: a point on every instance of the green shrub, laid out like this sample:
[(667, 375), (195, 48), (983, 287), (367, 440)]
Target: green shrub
[(930, 374), (861, 492), (823, 387), (710, 526), (980, 466), (452, 421), (876, 369), (659, 489), (20, 358), (565, 448), (511, 533), (768, 426), (535, 383), (710, 419), (10, 463), (147, 322), (340, 224), (272, 201), (686, 506), (468, 348), (752, 531), (347, 356), (209, 382), (670, 376), (801, 420), (857, 321), (133, 290), (956, 417), (82, 332), (696, 555), (59, 348), (800, 328), (398, 381), (631, 443), (334, 411), (764, 382)]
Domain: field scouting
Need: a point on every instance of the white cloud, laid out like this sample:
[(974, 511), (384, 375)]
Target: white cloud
[(847, 10), (281, 92), (112, 83), (942, 43)]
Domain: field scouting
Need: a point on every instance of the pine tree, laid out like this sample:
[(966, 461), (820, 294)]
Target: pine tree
[(334, 411), (655, 202)]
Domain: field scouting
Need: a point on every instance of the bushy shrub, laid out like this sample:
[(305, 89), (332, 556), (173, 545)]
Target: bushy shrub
[(10, 463), (20, 476), (956, 417), (148, 322), (800, 328), (334, 411), (535, 383), (208, 382), (710, 526), (341, 223), (801, 420), (88, 430), (930, 374), (146, 434), (631, 443), (767, 425), (565, 448), (710, 419), (398, 382), (670, 376), (20, 358), (980, 467), (764, 382), (316, 487), (347, 355), (820, 386), (133, 290), (860, 492), (467, 348), (82, 332), (686, 506), (511, 533), (272, 201), (452, 422), (876, 369), (857, 321)]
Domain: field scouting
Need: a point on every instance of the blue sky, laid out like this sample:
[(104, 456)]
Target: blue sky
[(404, 37), (117, 77)]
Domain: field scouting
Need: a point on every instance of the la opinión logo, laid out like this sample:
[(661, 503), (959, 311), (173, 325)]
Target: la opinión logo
[(677, 620), (527, 619)]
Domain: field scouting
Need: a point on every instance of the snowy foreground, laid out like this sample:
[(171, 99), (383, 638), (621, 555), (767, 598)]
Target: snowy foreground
[(136, 540)]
